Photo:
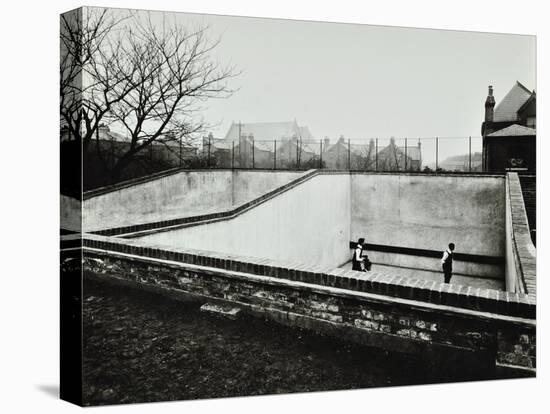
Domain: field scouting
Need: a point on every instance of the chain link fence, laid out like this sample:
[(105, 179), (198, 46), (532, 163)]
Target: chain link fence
[(427, 155), (451, 154)]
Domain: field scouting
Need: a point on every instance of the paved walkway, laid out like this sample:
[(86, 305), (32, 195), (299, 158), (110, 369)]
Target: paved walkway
[(436, 276)]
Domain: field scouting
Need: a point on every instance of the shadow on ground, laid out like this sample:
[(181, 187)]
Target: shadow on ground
[(51, 390)]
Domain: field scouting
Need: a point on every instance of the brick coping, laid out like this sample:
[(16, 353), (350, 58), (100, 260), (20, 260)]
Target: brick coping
[(438, 293), (430, 174), (525, 251)]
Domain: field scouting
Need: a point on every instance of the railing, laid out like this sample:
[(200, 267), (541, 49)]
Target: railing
[(460, 154), (427, 155)]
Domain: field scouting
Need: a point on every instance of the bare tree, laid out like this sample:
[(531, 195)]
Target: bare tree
[(83, 33), (176, 74), (143, 77)]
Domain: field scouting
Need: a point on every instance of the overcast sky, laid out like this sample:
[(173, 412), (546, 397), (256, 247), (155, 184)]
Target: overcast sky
[(363, 81)]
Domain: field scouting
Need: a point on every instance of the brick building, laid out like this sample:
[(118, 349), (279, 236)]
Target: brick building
[(400, 158), (254, 144), (509, 131)]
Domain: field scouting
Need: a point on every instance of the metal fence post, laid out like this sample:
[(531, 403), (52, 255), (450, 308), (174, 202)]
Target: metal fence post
[(320, 153), (469, 154), (181, 162), (376, 155), (299, 154), (349, 154), (436, 153), (240, 147), (274, 154), (209, 145), (296, 165), (405, 154)]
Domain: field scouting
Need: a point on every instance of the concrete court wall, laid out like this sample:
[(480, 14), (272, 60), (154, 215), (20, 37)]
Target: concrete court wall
[(428, 212), (307, 224), (248, 185), (479, 270), (183, 194), (70, 213)]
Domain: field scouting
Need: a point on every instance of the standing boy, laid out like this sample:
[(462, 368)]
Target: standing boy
[(447, 262)]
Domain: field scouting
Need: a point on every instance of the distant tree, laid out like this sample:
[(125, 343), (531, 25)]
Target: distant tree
[(147, 79), (310, 163), (365, 161)]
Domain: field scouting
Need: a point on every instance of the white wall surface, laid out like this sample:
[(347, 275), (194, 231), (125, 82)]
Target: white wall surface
[(307, 224), (187, 193)]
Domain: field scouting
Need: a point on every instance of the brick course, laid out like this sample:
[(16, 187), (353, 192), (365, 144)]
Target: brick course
[(479, 299), (377, 320)]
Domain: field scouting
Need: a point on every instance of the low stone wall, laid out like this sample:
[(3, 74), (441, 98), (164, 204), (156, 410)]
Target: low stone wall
[(374, 309), (479, 299)]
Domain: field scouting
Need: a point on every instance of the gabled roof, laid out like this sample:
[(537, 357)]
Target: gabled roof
[(311, 146), (218, 144), (334, 147), (305, 133), (268, 130), (413, 152), (514, 130), (306, 145), (507, 109), (106, 133), (527, 102)]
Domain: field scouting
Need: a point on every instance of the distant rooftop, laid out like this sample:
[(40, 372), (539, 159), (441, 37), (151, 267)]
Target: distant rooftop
[(268, 130)]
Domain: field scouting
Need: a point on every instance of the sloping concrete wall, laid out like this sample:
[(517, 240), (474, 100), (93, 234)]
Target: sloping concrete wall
[(307, 224), (429, 212), (183, 194), (248, 185)]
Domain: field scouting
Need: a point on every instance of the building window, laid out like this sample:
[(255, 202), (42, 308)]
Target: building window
[(532, 122)]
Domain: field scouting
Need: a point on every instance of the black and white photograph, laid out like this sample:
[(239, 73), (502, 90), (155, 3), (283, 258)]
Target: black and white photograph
[(270, 206), (288, 206)]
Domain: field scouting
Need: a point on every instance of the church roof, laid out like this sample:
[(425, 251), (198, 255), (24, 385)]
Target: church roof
[(268, 130)]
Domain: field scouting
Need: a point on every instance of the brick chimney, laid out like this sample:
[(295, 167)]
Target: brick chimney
[(489, 105)]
